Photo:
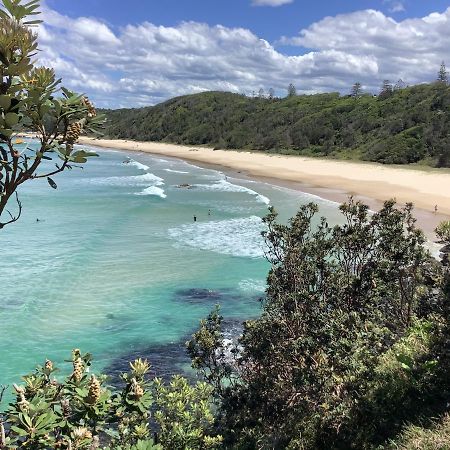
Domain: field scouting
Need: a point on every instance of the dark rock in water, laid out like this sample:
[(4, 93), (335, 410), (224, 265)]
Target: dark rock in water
[(195, 295), (222, 296), (166, 360), (185, 185)]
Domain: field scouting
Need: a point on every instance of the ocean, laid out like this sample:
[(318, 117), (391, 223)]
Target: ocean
[(113, 263)]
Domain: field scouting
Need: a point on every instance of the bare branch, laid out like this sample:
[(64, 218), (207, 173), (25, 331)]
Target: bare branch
[(49, 174), (16, 217)]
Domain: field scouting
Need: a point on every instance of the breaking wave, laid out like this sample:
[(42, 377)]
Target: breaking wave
[(225, 186), (153, 190), (175, 171), (136, 180), (236, 237), (138, 165)]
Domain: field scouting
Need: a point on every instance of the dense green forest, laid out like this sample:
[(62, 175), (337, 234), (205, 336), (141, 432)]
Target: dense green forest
[(399, 126)]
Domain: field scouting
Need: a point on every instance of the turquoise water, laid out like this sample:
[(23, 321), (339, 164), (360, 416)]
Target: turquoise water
[(117, 266)]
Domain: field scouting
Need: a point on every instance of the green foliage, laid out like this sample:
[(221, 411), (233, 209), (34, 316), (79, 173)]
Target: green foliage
[(350, 344), (32, 100), (83, 412), (443, 232), (184, 415), (291, 90), (416, 437), (401, 126), (209, 356), (443, 74)]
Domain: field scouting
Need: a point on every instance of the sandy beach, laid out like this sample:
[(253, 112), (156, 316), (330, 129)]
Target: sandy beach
[(330, 179)]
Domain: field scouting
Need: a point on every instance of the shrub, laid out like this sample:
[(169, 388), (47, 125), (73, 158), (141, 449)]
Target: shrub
[(83, 412), (443, 231), (415, 437), (345, 350)]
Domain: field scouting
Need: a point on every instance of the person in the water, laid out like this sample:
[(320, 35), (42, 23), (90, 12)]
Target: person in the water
[(195, 218)]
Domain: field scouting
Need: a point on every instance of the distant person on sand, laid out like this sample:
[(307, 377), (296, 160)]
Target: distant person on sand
[(435, 209)]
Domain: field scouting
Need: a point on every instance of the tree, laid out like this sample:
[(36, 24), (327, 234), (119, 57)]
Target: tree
[(356, 90), (29, 103), (400, 85), (386, 90), (443, 74), (291, 90), (349, 310)]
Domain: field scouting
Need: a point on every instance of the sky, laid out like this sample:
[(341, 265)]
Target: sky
[(143, 52)]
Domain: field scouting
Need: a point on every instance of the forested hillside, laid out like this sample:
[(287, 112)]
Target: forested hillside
[(399, 126)]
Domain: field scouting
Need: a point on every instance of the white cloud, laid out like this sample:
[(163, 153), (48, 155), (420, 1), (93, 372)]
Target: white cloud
[(395, 5), (271, 2), (410, 49), (145, 63)]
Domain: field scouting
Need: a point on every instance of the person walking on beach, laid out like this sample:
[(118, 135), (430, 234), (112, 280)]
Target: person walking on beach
[(435, 209)]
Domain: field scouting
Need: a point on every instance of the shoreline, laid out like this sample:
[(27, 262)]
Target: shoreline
[(329, 179)]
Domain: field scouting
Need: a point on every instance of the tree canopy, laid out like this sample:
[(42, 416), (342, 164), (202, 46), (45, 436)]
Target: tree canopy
[(403, 125), (352, 342)]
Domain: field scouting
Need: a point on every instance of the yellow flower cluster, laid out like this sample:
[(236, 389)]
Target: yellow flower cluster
[(137, 390), (94, 390), (73, 132), (90, 107)]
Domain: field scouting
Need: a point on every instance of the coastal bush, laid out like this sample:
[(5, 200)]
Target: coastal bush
[(443, 232), (436, 437), (408, 126), (32, 100), (351, 344), (83, 412), (352, 350)]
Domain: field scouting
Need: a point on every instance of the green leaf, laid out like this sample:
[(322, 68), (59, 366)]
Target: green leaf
[(79, 160), (11, 119), (5, 102), (7, 133), (19, 431), (83, 154), (52, 183), (406, 362)]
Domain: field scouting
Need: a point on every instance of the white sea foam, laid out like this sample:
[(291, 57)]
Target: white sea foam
[(136, 180), (138, 165), (306, 195), (237, 237), (252, 285), (434, 248), (226, 186), (175, 171), (153, 190)]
